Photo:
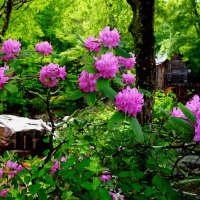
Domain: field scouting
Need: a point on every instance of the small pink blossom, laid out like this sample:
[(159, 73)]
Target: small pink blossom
[(128, 63), (106, 176), (129, 101), (176, 112), (3, 193), (44, 47), (55, 167), (128, 78), (107, 66), (92, 147), (51, 74), (80, 158), (4, 78), (1, 172), (63, 159), (14, 168), (92, 44), (116, 196), (11, 48), (87, 81), (109, 38)]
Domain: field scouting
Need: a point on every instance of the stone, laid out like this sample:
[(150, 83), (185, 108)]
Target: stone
[(21, 133)]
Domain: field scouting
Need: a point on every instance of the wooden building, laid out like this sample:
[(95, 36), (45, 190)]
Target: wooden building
[(170, 72), (173, 75)]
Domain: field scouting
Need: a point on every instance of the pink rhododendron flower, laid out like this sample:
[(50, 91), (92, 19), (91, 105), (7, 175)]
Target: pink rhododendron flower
[(92, 44), (129, 101), (106, 176), (116, 196), (10, 48), (87, 81), (128, 78), (194, 104), (3, 193), (63, 159), (197, 128), (109, 38), (128, 63), (176, 112), (14, 168), (55, 167), (44, 47), (80, 158), (3, 78), (1, 173), (107, 66), (51, 74)]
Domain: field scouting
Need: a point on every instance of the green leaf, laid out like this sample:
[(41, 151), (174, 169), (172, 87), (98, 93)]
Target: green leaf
[(76, 94), (71, 76), (9, 71), (72, 198), (188, 113), (3, 94), (87, 185), (116, 120), (119, 81), (2, 54), (56, 56), (96, 183), (157, 181), (15, 64), (122, 52), (11, 87), (90, 69), (34, 188), (182, 127), (104, 194), (102, 83), (63, 61), (122, 44), (109, 92), (136, 129), (42, 195), (91, 98)]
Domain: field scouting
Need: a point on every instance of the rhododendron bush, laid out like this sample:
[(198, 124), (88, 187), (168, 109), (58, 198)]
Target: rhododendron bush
[(104, 155)]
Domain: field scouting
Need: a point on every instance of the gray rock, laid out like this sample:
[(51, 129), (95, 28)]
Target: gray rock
[(20, 133)]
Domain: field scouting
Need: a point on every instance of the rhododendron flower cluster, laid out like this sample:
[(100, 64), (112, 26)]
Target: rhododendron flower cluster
[(3, 192), (44, 47), (87, 81), (129, 101), (51, 74), (14, 168), (92, 44), (109, 38), (10, 48), (3, 77), (128, 63), (194, 106), (128, 78), (107, 65)]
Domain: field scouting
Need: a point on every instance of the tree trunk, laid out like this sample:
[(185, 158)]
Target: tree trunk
[(141, 29), (9, 7)]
